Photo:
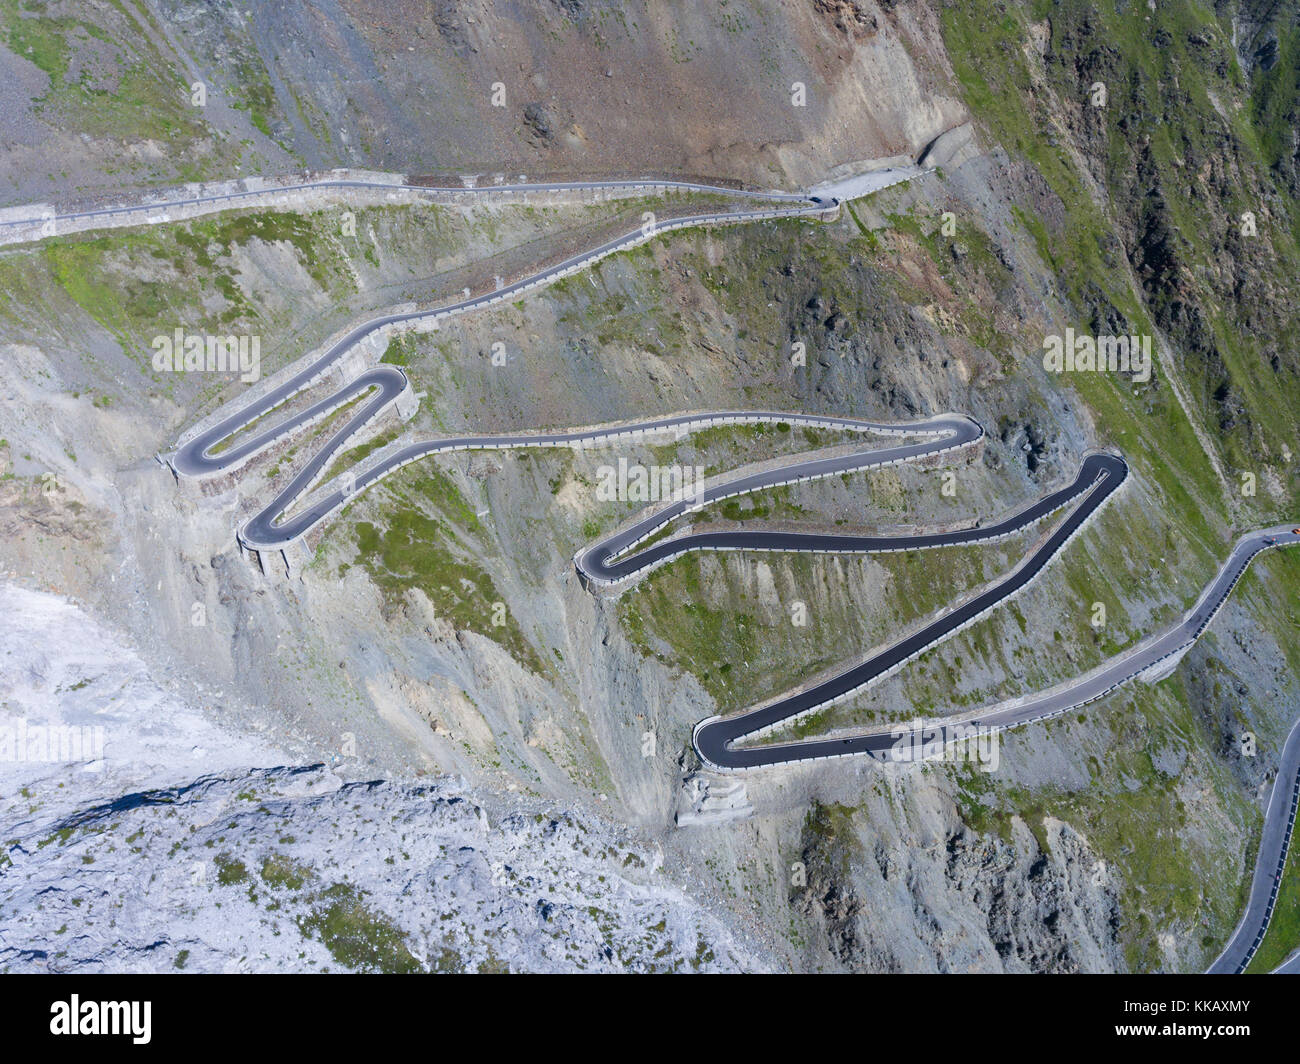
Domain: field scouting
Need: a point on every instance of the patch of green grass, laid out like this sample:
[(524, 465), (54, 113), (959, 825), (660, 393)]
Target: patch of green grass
[(209, 238), (281, 872), (107, 78), (229, 870), (353, 456), (415, 549), (400, 349), (741, 649), (253, 93), (358, 937)]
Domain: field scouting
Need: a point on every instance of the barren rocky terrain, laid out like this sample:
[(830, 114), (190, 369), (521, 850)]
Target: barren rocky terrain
[(1119, 838)]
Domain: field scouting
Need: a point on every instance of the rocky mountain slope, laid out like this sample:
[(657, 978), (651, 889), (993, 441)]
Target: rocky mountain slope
[(166, 849), (581, 86), (1117, 838)]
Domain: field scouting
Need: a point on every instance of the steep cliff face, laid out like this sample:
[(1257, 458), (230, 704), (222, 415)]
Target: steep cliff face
[(778, 94), (167, 851), (1029, 902), (1115, 838)]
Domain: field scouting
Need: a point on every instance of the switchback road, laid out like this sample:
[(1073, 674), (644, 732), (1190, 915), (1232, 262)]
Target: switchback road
[(614, 560)]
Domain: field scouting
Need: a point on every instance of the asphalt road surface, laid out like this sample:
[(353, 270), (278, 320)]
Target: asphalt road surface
[(716, 738), (202, 456), (616, 559), (608, 562), (1274, 842), (233, 199)]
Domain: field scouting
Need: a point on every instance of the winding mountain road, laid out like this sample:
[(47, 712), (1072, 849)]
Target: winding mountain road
[(1270, 862), (614, 560), (716, 738), (201, 456), (43, 222)]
